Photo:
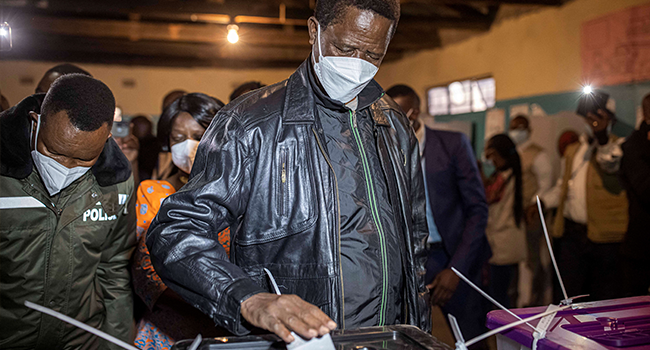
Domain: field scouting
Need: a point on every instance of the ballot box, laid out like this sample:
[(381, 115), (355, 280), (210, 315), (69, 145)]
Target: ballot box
[(373, 338), (607, 324)]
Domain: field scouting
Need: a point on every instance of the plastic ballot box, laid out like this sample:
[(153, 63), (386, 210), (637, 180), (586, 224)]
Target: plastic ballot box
[(607, 324), (373, 338)]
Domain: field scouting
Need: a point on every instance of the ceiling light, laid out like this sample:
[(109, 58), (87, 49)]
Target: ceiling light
[(233, 33)]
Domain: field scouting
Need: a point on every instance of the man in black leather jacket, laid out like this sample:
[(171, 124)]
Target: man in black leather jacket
[(319, 179)]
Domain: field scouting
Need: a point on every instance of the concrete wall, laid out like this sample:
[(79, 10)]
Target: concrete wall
[(151, 84), (535, 54)]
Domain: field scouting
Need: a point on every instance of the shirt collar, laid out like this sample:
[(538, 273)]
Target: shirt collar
[(420, 135)]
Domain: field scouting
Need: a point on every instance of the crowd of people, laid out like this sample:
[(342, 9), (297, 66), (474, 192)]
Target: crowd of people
[(358, 209)]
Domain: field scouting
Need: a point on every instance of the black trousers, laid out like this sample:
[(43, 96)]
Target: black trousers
[(636, 273), (587, 267), (503, 284), (467, 305)]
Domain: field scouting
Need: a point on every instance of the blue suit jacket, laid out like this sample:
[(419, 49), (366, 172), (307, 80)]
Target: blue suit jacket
[(457, 198)]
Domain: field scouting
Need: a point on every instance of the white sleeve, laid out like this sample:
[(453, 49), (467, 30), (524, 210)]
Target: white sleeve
[(551, 198), (609, 155), (543, 172)]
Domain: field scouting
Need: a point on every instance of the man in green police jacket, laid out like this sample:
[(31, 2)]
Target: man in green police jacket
[(67, 218)]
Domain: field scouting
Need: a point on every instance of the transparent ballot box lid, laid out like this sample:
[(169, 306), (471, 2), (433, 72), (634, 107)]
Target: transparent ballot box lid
[(373, 338)]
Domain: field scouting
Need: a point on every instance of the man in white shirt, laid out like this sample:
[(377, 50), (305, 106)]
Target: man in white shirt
[(537, 179), (592, 211)]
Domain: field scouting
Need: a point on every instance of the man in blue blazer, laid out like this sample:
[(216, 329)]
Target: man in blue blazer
[(457, 214)]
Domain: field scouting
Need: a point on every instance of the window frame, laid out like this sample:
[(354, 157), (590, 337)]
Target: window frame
[(471, 97)]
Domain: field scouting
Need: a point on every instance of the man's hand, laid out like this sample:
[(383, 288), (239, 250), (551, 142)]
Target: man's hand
[(282, 314), (443, 287)]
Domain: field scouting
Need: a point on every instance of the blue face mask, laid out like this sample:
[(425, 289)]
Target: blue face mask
[(55, 175), (488, 165)]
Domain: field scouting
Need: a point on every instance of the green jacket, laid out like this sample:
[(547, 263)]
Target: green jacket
[(69, 252)]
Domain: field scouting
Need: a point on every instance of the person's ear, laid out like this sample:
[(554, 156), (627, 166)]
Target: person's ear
[(35, 118), (312, 26)]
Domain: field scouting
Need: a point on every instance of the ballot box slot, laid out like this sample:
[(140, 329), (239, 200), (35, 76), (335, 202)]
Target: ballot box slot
[(618, 332)]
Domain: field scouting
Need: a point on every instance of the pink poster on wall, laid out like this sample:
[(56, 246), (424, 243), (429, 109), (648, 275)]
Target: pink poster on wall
[(616, 48)]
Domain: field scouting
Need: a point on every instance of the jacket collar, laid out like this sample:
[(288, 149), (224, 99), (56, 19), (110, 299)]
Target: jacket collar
[(300, 98), (111, 168)]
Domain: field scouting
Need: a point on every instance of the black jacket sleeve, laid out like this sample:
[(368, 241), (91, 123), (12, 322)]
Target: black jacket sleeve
[(183, 239), (420, 231)]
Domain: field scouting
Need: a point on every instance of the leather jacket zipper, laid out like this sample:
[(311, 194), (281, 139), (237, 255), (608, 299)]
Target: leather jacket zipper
[(283, 179), (374, 209), (338, 225)]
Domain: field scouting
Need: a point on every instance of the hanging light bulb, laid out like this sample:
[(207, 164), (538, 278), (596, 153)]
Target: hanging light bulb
[(233, 33)]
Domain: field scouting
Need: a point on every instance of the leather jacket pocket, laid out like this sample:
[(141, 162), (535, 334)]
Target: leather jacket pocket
[(291, 206)]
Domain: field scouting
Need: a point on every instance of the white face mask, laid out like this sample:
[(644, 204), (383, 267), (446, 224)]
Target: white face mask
[(55, 175), (518, 136), (343, 78), (183, 154)]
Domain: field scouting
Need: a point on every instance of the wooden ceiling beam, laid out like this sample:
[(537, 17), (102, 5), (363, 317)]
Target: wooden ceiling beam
[(114, 51), (136, 31), (125, 7), (143, 31), (161, 50)]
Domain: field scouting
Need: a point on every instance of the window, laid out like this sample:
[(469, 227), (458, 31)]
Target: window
[(474, 95)]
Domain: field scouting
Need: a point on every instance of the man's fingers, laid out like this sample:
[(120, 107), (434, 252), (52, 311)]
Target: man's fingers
[(313, 322), (442, 295), (295, 323), (448, 296), (286, 313), (439, 292), (280, 330), (306, 319), (312, 315), (323, 319)]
